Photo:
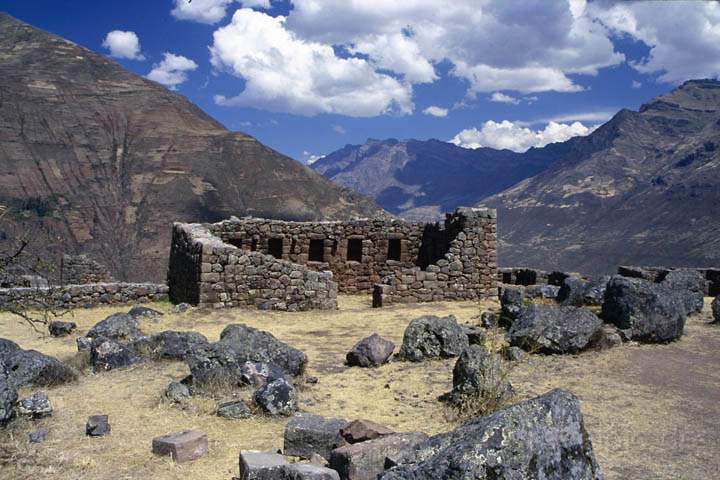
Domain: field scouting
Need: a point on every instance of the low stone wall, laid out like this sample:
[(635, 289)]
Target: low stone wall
[(81, 269), (88, 295), (208, 272), (657, 274), (466, 269), (532, 276)]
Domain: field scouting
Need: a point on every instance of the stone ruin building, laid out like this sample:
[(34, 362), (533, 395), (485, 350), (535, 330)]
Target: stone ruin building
[(283, 265)]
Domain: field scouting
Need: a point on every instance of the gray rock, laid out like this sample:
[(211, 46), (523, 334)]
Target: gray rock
[(61, 329), (107, 354), (512, 301), (84, 344), (234, 409), (689, 286), (307, 433), (554, 329), (371, 351), (539, 438), (476, 335), (542, 290), (277, 397), (8, 397), (37, 405), (595, 292), (97, 426), (177, 392), (181, 307), (139, 311), (39, 435), (7, 346), (118, 326), (259, 373), (433, 337), (513, 354), (171, 345), (256, 465), (304, 471), (572, 291), (260, 346), (716, 309), (363, 430), (489, 319), (366, 460), (479, 374), (647, 312), (607, 337), (29, 367)]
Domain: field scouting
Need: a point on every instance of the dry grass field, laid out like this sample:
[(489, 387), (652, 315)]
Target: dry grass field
[(653, 410)]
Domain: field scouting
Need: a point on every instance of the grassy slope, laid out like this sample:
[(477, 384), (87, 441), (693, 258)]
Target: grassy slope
[(652, 410)]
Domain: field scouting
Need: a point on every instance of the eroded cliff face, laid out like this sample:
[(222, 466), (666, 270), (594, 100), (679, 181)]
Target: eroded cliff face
[(642, 189), (97, 160)]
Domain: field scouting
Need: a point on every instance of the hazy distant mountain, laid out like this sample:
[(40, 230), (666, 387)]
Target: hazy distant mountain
[(98, 160), (422, 179), (643, 189)]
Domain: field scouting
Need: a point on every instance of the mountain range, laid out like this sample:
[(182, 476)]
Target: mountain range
[(644, 188), (95, 159)]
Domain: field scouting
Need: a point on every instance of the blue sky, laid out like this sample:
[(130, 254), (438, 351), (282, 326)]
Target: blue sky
[(334, 72)]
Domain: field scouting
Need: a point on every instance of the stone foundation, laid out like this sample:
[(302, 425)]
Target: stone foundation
[(88, 295)]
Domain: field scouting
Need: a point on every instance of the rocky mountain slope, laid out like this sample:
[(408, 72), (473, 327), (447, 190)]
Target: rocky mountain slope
[(95, 159), (642, 189), (421, 180)]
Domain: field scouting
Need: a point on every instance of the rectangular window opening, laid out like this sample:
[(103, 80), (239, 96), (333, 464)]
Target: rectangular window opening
[(275, 247), (317, 251), (394, 249), (354, 249)]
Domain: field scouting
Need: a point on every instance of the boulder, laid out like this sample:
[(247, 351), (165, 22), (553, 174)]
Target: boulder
[(118, 326), (542, 290), (716, 309), (307, 433), (182, 447), (84, 344), (35, 406), (595, 291), (61, 329), (366, 460), (277, 397), (554, 329), (259, 373), (107, 354), (233, 409), (489, 319), (256, 465), (607, 337), (139, 311), (512, 301), (8, 397), (171, 345), (479, 374), (542, 437), (476, 335), (433, 337), (29, 367), (371, 351), (646, 311), (177, 392), (97, 426), (7, 346), (362, 430), (255, 345), (689, 286), (304, 471), (572, 291)]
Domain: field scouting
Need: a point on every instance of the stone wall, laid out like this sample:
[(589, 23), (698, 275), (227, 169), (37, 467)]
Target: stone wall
[(458, 261), (208, 272), (532, 276), (657, 274), (88, 295), (81, 269), (249, 261)]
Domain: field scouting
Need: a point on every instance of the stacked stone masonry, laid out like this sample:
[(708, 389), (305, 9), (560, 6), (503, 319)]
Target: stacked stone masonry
[(81, 269), (295, 265), (88, 295)]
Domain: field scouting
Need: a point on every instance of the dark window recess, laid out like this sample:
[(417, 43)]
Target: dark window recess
[(236, 242), (253, 245), (293, 246), (333, 248), (394, 249), (354, 249), (275, 247), (317, 251)]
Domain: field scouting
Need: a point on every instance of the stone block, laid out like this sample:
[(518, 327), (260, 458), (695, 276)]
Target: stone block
[(307, 433), (366, 460), (184, 446), (97, 426), (257, 465)]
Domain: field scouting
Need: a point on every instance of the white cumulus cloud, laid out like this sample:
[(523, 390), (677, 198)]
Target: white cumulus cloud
[(123, 45), (436, 111), (502, 98), (209, 11), (172, 71), (512, 136), (285, 73)]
